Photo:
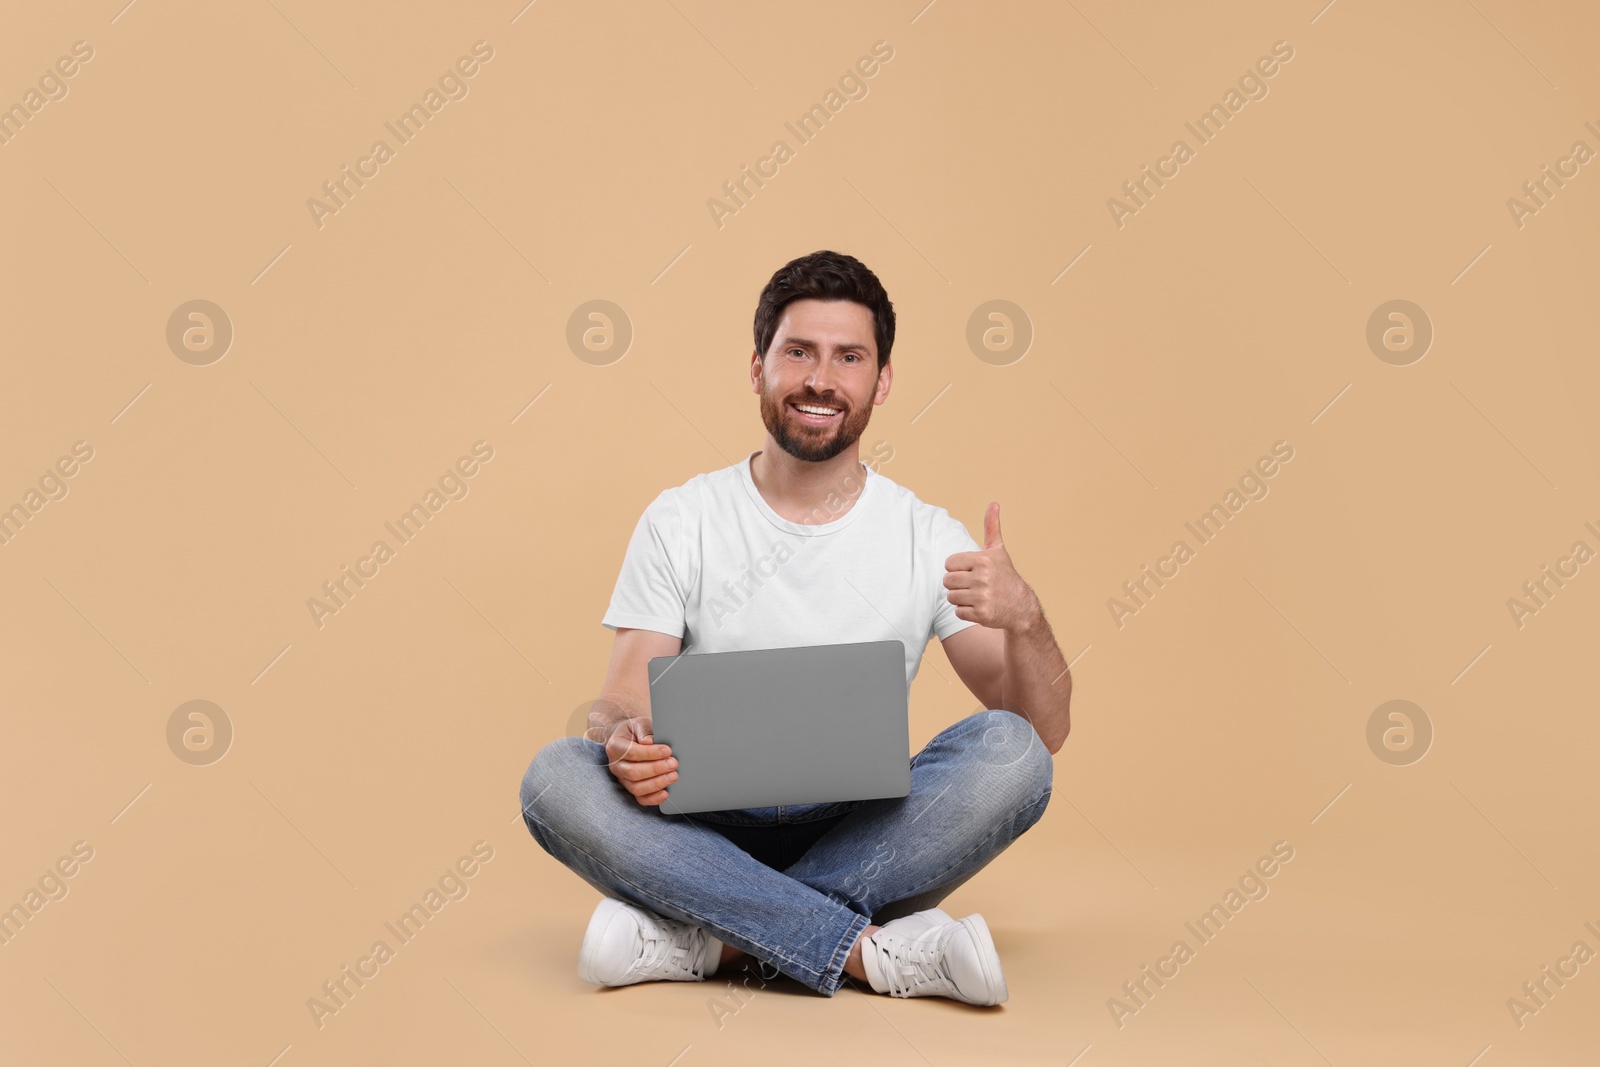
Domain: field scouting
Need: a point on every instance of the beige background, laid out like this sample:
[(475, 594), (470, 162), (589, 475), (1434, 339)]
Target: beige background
[(368, 354)]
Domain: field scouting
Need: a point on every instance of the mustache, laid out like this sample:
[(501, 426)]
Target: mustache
[(828, 402)]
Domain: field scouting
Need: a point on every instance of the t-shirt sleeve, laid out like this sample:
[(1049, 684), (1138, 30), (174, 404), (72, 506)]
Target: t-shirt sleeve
[(949, 537), (649, 594)]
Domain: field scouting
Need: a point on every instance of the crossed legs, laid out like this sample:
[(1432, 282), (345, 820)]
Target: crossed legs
[(975, 787)]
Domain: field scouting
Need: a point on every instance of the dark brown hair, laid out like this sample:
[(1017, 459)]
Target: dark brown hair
[(825, 275)]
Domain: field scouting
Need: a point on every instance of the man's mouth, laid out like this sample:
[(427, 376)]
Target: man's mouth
[(815, 414)]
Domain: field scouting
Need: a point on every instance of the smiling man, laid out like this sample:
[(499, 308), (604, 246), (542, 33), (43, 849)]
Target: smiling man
[(819, 548)]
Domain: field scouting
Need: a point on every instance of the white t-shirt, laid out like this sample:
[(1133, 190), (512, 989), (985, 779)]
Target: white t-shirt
[(712, 563)]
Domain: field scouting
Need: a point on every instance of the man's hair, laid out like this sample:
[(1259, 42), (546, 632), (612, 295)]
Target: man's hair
[(825, 275)]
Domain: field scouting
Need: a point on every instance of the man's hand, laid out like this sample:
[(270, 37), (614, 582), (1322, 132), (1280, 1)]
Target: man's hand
[(986, 588), (643, 768)]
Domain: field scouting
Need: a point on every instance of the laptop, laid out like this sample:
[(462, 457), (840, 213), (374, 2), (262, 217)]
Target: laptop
[(762, 727)]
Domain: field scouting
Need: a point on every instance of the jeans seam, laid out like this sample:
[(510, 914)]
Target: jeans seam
[(818, 818), (1044, 797), (796, 964), (700, 816)]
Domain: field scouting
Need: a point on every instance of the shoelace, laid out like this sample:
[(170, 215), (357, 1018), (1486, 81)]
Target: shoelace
[(666, 949), (912, 964)]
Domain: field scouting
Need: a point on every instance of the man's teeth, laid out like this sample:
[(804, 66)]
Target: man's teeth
[(812, 410)]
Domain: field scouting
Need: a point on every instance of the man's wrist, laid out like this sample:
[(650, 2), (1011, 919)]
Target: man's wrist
[(604, 716), (598, 732), (1031, 621)]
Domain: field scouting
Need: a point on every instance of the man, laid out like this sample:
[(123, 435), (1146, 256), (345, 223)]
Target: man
[(803, 544)]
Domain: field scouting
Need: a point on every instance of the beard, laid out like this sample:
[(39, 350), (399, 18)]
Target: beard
[(814, 444)]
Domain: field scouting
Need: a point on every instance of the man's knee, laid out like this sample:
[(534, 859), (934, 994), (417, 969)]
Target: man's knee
[(1013, 757), (557, 765), (1006, 739)]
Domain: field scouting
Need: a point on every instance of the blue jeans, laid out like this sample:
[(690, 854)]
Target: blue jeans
[(795, 885)]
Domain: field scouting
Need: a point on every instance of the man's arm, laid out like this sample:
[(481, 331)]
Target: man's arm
[(1020, 670), (620, 717), (626, 692), (1010, 660)]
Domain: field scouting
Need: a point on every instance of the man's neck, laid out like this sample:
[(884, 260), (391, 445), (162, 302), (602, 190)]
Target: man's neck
[(808, 493)]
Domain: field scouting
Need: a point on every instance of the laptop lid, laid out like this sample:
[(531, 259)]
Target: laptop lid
[(762, 727)]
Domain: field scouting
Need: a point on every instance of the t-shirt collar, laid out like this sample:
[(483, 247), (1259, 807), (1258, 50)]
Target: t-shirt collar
[(806, 529)]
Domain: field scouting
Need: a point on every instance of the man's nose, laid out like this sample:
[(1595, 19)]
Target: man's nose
[(821, 377)]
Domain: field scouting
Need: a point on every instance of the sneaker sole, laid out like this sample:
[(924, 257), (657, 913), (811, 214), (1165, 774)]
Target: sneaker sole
[(988, 957), (607, 911)]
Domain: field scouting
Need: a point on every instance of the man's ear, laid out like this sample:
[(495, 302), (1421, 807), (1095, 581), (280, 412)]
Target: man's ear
[(755, 371), (885, 378)]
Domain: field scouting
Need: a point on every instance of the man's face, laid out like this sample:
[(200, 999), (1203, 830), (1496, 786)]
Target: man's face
[(823, 355)]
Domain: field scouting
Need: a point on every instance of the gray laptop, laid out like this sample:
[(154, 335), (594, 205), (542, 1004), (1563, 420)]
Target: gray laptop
[(763, 727)]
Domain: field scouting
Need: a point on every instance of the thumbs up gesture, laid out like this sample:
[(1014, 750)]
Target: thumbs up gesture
[(986, 588)]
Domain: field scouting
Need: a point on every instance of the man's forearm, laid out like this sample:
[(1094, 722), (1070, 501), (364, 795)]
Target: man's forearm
[(1036, 683)]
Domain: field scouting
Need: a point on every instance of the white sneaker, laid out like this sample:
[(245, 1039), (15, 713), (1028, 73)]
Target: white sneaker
[(625, 944), (929, 954)]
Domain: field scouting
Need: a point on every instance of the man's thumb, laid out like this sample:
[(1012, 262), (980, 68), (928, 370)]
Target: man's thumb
[(991, 527)]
